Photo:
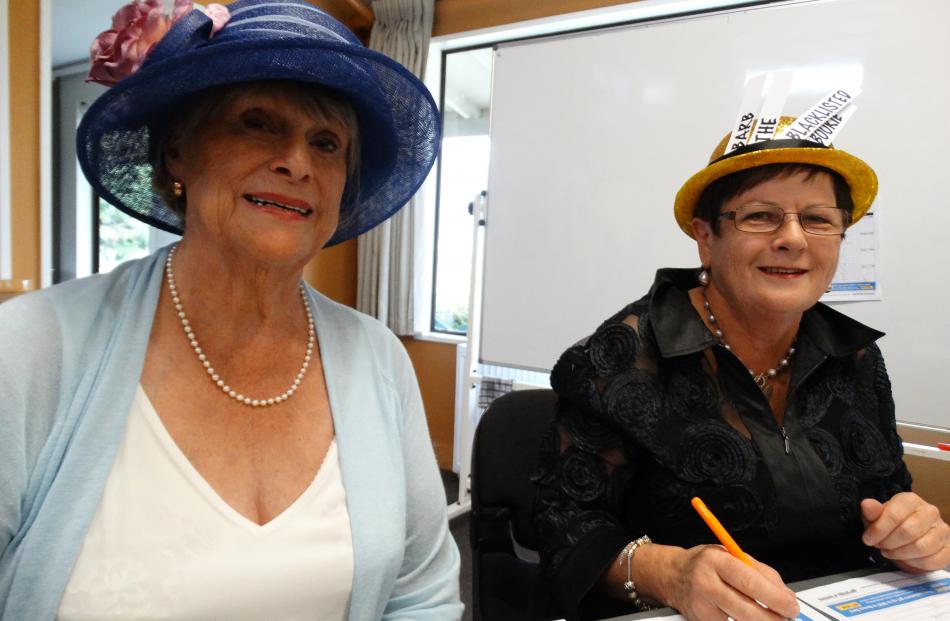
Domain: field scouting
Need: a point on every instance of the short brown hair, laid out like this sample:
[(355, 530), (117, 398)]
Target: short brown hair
[(316, 99), (722, 190)]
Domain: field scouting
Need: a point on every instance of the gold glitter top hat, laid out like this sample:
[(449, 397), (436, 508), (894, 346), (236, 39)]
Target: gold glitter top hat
[(801, 140)]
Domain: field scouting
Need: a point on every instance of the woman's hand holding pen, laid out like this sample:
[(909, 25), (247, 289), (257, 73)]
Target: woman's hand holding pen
[(711, 582), (908, 531), (706, 582)]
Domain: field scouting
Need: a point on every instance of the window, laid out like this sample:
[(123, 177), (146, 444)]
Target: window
[(120, 237), (90, 234), (463, 174)]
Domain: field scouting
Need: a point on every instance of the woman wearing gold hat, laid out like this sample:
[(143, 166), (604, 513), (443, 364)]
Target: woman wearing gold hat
[(732, 383)]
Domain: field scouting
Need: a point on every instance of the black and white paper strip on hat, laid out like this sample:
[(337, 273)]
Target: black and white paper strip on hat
[(822, 121), (772, 106), (761, 111), (748, 111)]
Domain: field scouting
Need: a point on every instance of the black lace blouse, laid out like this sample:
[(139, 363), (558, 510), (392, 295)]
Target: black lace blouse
[(652, 411)]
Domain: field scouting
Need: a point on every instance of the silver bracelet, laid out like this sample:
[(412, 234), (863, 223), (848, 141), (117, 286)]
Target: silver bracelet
[(627, 555)]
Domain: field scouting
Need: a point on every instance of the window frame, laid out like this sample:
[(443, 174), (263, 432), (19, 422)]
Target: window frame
[(437, 204), (427, 225), (6, 220)]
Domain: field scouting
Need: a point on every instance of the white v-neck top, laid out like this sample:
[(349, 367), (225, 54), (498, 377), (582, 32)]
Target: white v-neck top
[(164, 545)]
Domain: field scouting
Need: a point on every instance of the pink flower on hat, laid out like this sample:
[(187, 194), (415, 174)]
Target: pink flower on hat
[(136, 28), (219, 15)]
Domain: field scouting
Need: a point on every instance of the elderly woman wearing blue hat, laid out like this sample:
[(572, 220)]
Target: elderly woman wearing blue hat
[(199, 434), (731, 383)]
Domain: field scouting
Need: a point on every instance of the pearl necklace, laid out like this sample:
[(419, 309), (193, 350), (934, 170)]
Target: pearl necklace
[(761, 379), (203, 358)]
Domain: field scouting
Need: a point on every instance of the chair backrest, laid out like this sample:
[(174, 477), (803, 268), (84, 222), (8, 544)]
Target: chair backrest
[(504, 457)]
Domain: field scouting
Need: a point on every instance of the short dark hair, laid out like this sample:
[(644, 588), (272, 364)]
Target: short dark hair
[(722, 190)]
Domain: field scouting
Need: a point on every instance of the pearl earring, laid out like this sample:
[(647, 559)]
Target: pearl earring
[(178, 189), (703, 277)]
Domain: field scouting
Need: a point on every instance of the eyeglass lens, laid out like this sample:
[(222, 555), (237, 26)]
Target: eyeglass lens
[(766, 218)]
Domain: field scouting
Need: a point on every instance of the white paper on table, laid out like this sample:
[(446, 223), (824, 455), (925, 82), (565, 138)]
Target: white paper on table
[(807, 613), (889, 596)]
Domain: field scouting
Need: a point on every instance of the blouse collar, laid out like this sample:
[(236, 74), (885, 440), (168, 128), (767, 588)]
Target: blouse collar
[(679, 330)]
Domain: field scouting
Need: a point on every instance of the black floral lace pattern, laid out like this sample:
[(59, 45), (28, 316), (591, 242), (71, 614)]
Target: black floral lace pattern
[(864, 445), (692, 392), (638, 434), (612, 348), (590, 433), (581, 475), (828, 449), (632, 400), (712, 451), (740, 506)]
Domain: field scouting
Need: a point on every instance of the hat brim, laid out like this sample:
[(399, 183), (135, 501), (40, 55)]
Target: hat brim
[(860, 178), (399, 122)]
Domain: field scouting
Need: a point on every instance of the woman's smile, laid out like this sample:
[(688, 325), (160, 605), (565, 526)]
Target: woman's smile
[(280, 205), (783, 273)]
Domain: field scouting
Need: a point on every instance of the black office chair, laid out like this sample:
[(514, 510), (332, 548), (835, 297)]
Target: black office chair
[(504, 456)]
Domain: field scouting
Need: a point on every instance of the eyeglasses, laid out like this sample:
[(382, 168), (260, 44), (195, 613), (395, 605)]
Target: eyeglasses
[(759, 218)]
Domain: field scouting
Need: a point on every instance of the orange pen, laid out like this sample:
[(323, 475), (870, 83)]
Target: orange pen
[(716, 527)]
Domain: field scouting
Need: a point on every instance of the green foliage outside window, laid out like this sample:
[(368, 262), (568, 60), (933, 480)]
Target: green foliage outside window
[(121, 237), (451, 320)]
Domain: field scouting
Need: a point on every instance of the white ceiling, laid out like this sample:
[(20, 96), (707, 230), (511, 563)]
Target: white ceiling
[(75, 24)]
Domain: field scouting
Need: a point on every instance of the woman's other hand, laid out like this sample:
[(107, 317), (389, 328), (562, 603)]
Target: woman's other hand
[(706, 582), (908, 531)]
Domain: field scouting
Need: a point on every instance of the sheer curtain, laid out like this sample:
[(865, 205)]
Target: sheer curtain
[(384, 261)]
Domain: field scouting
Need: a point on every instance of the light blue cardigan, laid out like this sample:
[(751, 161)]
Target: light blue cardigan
[(70, 359)]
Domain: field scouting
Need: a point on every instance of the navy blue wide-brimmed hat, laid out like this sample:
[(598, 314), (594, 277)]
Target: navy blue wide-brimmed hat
[(263, 40)]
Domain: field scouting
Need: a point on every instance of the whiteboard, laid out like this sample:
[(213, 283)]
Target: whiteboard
[(592, 135)]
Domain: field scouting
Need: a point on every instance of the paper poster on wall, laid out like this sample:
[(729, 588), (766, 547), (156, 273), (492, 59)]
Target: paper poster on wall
[(858, 276)]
